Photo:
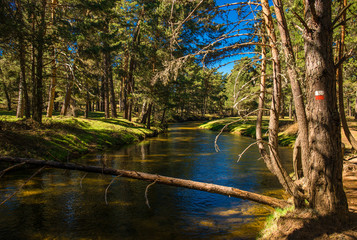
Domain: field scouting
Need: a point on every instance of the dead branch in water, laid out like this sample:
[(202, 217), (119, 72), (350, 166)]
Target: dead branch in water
[(206, 187)]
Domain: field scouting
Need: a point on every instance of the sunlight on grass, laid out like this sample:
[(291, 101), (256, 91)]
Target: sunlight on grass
[(60, 138)]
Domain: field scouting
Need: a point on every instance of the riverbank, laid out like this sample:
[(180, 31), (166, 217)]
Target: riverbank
[(62, 138), (287, 128), (283, 224)]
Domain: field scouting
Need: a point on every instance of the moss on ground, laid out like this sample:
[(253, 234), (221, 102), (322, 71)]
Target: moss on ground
[(60, 138), (247, 127)]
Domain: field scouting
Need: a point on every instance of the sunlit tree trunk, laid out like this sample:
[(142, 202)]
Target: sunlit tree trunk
[(272, 160), (294, 80), (339, 76), (325, 189)]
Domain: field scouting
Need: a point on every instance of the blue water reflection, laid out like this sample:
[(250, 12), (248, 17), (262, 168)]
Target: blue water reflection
[(55, 206)]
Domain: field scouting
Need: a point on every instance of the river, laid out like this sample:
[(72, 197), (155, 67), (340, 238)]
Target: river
[(59, 204)]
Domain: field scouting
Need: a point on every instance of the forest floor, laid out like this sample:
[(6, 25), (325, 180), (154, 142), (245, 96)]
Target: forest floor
[(63, 138)]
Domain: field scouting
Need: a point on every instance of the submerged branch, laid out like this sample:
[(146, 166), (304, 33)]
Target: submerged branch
[(206, 187)]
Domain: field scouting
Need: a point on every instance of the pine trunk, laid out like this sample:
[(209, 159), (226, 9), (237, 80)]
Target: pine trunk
[(326, 194), (38, 87)]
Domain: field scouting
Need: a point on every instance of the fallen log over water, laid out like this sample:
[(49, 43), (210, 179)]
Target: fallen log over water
[(201, 186)]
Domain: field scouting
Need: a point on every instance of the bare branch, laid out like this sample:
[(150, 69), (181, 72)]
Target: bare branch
[(106, 190), (340, 14), (146, 192), (307, 29), (10, 168), (22, 185)]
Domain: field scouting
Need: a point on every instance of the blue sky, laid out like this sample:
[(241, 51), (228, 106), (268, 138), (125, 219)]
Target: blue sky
[(229, 61)]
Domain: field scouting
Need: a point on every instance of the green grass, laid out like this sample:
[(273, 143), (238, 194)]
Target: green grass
[(247, 127), (271, 221), (60, 138)]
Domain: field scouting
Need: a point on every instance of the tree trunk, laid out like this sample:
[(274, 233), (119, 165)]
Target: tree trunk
[(356, 107), (148, 123), (67, 98), (52, 92), (38, 96), (339, 76), (23, 102), (109, 76), (88, 104), (294, 81), (273, 160), (326, 194), (7, 95), (291, 108), (206, 187), (144, 113)]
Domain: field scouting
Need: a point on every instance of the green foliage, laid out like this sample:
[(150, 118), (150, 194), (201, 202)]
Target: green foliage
[(271, 222)]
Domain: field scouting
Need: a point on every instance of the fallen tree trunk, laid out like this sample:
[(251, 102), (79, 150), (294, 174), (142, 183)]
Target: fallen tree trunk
[(206, 187)]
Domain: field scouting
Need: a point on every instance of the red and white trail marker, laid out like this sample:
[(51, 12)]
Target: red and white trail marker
[(319, 95)]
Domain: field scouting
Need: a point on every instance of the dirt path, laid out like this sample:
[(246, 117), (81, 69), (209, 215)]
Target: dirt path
[(350, 183)]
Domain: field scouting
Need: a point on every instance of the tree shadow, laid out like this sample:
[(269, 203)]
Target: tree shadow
[(305, 225)]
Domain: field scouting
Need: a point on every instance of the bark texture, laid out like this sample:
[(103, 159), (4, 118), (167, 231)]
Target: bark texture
[(324, 175)]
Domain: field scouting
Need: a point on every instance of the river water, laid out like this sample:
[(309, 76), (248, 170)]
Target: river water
[(59, 204)]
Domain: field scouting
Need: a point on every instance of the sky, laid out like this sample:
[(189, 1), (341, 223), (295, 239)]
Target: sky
[(229, 61)]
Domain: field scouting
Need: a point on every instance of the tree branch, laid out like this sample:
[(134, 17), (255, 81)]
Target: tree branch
[(206, 187)]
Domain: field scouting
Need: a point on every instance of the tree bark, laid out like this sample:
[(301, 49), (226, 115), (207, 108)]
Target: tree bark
[(148, 123), (294, 81), (356, 107), (206, 187), (326, 194), (144, 113), (7, 95), (52, 92), (273, 159), (339, 76), (68, 96), (38, 87), (23, 101)]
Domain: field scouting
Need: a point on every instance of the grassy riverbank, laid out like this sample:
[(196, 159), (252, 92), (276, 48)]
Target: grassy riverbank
[(61, 138), (287, 136)]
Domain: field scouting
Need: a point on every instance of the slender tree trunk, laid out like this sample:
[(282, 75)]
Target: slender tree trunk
[(326, 194), (38, 88), (339, 76), (294, 82), (291, 108), (163, 116), (68, 96), (33, 60), (109, 73), (88, 104), (7, 95), (144, 113), (52, 91), (148, 123), (356, 107), (23, 102), (349, 106), (106, 89), (273, 159)]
